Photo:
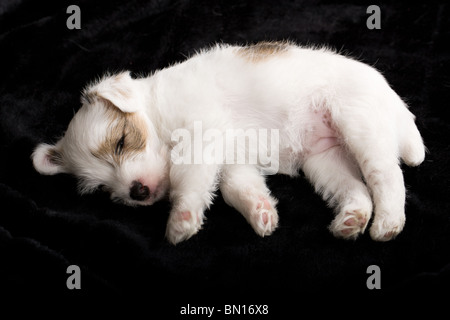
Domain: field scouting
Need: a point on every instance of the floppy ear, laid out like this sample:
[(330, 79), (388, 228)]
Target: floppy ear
[(120, 90), (47, 159)]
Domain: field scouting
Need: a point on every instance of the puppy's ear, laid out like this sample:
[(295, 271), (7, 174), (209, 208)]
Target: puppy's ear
[(120, 90), (47, 159)]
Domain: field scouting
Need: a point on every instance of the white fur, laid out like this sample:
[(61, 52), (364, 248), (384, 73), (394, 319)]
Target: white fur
[(338, 121)]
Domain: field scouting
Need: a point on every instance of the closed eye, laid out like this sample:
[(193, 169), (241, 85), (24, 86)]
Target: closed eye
[(120, 145)]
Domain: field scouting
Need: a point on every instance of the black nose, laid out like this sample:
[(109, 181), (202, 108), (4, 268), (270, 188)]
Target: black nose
[(138, 191)]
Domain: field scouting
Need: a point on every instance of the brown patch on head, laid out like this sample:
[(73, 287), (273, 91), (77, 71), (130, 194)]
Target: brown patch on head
[(126, 137), (263, 50)]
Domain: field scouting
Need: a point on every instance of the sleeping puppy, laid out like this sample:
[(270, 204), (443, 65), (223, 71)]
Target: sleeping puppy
[(230, 115)]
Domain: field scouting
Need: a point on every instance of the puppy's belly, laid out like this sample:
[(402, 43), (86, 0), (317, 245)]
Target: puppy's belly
[(322, 135)]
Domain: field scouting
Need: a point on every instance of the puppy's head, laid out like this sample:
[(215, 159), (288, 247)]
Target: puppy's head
[(111, 143)]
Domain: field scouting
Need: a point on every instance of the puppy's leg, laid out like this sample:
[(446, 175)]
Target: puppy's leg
[(244, 188), (384, 178), (371, 138), (337, 178), (192, 192)]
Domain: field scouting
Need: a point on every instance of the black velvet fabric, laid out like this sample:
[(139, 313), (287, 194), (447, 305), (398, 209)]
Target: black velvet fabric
[(45, 226)]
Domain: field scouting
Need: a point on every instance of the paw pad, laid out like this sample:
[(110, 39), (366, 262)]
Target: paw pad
[(349, 223), (386, 230), (264, 217), (185, 215)]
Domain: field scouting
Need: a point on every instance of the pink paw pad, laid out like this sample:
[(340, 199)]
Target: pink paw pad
[(349, 224), (185, 215), (265, 204), (265, 218), (389, 235), (359, 221)]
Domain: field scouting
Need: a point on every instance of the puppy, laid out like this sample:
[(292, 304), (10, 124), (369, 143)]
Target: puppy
[(335, 118)]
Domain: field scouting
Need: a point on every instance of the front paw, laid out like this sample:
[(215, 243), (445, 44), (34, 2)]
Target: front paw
[(182, 225), (264, 217)]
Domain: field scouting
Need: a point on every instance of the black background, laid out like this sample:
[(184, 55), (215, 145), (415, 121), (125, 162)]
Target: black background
[(45, 226)]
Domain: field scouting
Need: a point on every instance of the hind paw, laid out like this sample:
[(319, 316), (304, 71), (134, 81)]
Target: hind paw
[(350, 223), (386, 228)]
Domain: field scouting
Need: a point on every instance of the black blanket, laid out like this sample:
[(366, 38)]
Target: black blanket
[(45, 226)]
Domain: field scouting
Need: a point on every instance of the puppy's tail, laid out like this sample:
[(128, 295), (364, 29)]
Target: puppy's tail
[(412, 149)]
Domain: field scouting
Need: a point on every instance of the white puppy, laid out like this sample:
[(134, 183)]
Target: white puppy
[(335, 118)]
